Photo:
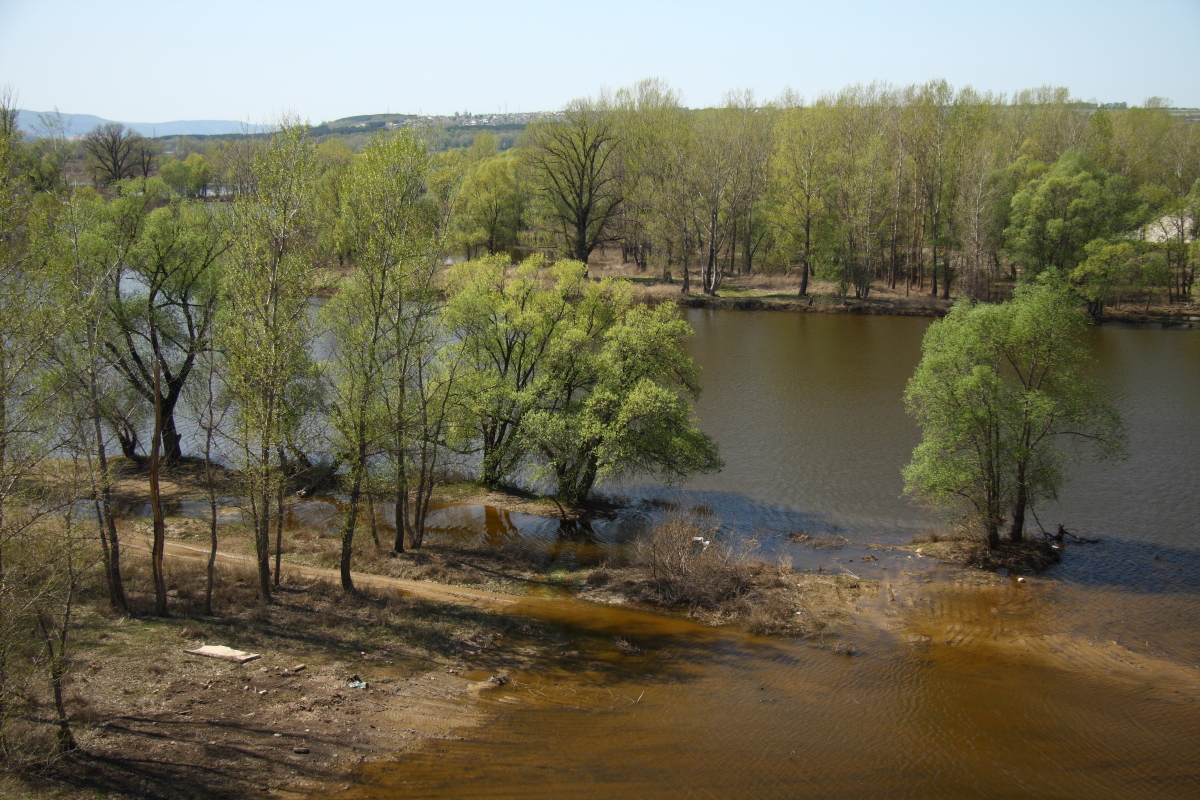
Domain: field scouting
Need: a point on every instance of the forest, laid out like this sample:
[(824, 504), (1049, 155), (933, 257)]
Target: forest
[(925, 188), (140, 287)]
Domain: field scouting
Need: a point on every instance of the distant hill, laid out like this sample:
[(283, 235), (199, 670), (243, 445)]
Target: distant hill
[(79, 124)]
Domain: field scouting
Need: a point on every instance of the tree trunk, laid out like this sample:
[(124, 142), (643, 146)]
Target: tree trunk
[(933, 292), (212, 530), (1017, 532), (804, 258), (170, 439), (348, 527), (279, 515), (401, 513), (993, 534), (686, 288), (374, 521), (262, 526), (65, 740), (110, 544), (160, 534)]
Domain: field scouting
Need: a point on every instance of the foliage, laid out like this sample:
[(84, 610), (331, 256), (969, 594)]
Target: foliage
[(264, 327), (998, 392), (490, 205), (1055, 216), (567, 376), (382, 327), (190, 177), (616, 400)]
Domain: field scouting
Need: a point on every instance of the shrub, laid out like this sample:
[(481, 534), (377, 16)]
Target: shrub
[(689, 566)]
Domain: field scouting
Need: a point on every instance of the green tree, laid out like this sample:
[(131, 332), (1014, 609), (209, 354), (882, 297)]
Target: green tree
[(264, 327), (380, 319), (82, 242), (490, 203), (1056, 215), (802, 174), (164, 300), (617, 399), (998, 392), (508, 323), (1109, 267), (39, 537), (190, 177)]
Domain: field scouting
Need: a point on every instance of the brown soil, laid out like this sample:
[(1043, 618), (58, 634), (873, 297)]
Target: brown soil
[(1030, 556), (154, 721), (780, 292)]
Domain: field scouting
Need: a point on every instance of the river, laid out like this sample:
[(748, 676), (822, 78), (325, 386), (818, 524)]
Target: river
[(1082, 682)]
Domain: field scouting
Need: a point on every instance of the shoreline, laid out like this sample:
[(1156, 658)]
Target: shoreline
[(775, 293), (159, 703)]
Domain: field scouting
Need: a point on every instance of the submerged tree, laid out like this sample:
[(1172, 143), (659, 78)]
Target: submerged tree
[(617, 401), (999, 393), (507, 322), (565, 376)]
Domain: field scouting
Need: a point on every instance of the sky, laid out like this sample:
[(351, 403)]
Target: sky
[(252, 61)]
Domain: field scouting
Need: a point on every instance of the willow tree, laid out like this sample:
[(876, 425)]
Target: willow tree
[(1000, 394), (507, 322), (264, 326), (1057, 214), (618, 399), (568, 378), (164, 301)]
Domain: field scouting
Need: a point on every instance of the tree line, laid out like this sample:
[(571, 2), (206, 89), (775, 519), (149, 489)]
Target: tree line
[(923, 188)]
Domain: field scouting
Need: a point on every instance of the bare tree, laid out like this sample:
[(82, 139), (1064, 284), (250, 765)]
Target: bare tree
[(116, 153), (574, 165)]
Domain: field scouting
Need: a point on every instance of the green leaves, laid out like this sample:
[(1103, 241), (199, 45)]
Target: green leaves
[(999, 392), (570, 378), (1056, 215)]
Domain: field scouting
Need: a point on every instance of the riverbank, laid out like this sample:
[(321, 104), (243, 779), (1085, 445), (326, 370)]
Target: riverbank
[(427, 632), (775, 293), (758, 292), (443, 661), (339, 680)]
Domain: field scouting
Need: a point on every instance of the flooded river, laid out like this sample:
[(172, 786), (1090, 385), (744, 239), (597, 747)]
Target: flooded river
[(1079, 683)]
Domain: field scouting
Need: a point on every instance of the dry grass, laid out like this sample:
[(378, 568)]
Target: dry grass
[(669, 568), (689, 566), (959, 546)]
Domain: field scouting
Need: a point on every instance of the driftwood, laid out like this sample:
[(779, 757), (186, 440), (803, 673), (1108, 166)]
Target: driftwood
[(1062, 534)]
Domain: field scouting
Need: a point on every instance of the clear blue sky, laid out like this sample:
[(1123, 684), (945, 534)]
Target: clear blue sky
[(211, 59)]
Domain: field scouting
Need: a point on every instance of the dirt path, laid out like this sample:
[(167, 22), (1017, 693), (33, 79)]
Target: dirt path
[(153, 721), (422, 590)]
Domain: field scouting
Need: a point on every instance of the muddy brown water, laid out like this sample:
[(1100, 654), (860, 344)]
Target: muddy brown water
[(1083, 682)]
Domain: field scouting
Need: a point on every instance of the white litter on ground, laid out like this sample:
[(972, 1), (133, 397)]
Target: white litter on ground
[(224, 653)]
